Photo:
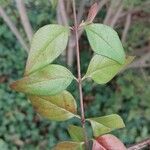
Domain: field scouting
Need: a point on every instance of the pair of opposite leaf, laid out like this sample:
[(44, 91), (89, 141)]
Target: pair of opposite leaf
[(45, 83)]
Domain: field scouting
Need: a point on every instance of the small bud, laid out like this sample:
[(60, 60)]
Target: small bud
[(92, 13)]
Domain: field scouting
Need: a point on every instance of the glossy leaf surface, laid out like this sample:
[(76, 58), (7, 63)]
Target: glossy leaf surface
[(59, 107), (76, 133), (47, 44), (102, 125), (69, 146), (50, 80), (102, 69), (105, 41)]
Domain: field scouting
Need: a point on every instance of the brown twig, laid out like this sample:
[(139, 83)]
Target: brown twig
[(62, 17), (101, 4), (111, 11), (79, 72), (62, 12), (24, 19), (81, 11), (13, 28), (116, 16), (140, 145), (126, 28)]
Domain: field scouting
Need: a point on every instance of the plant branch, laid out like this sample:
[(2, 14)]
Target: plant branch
[(126, 28), (62, 12), (140, 145), (79, 72), (13, 28), (111, 11), (24, 19), (116, 16), (101, 4), (81, 10)]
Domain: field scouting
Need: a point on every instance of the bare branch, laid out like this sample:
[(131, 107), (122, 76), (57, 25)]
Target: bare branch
[(126, 28), (140, 145), (143, 61), (81, 10), (101, 4), (24, 18), (62, 12), (116, 16), (70, 50), (13, 28), (111, 11), (59, 17)]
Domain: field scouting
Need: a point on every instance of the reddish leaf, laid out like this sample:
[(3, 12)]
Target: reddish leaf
[(111, 142), (97, 146)]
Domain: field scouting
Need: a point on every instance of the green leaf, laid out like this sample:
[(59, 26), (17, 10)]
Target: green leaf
[(47, 44), (67, 145), (102, 69), (76, 133), (103, 125), (59, 107), (105, 41), (50, 80)]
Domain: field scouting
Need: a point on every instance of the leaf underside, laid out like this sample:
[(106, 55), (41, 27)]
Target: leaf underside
[(76, 133), (106, 124), (67, 145), (47, 44), (50, 80), (59, 107), (102, 69), (105, 41)]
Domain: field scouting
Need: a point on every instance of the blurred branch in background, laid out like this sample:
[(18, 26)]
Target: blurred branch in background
[(61, 13), (126, 27), (140, 145), (116, 16), (114, 5), (13, 28), (143, 61), (24, 19)]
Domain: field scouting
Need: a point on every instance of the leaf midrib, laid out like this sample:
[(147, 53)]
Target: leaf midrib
[(54, 78), (45, 47), (90, 75), (102, 39), (55, 105)]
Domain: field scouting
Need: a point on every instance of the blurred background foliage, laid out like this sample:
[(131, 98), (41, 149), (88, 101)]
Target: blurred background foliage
[(128, 94)]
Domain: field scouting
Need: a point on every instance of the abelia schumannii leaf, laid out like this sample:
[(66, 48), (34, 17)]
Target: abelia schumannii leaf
[(47, 44), (102, 69), (105, 41), (49, 80), (106, 124), (68, 145), (59, 107)]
